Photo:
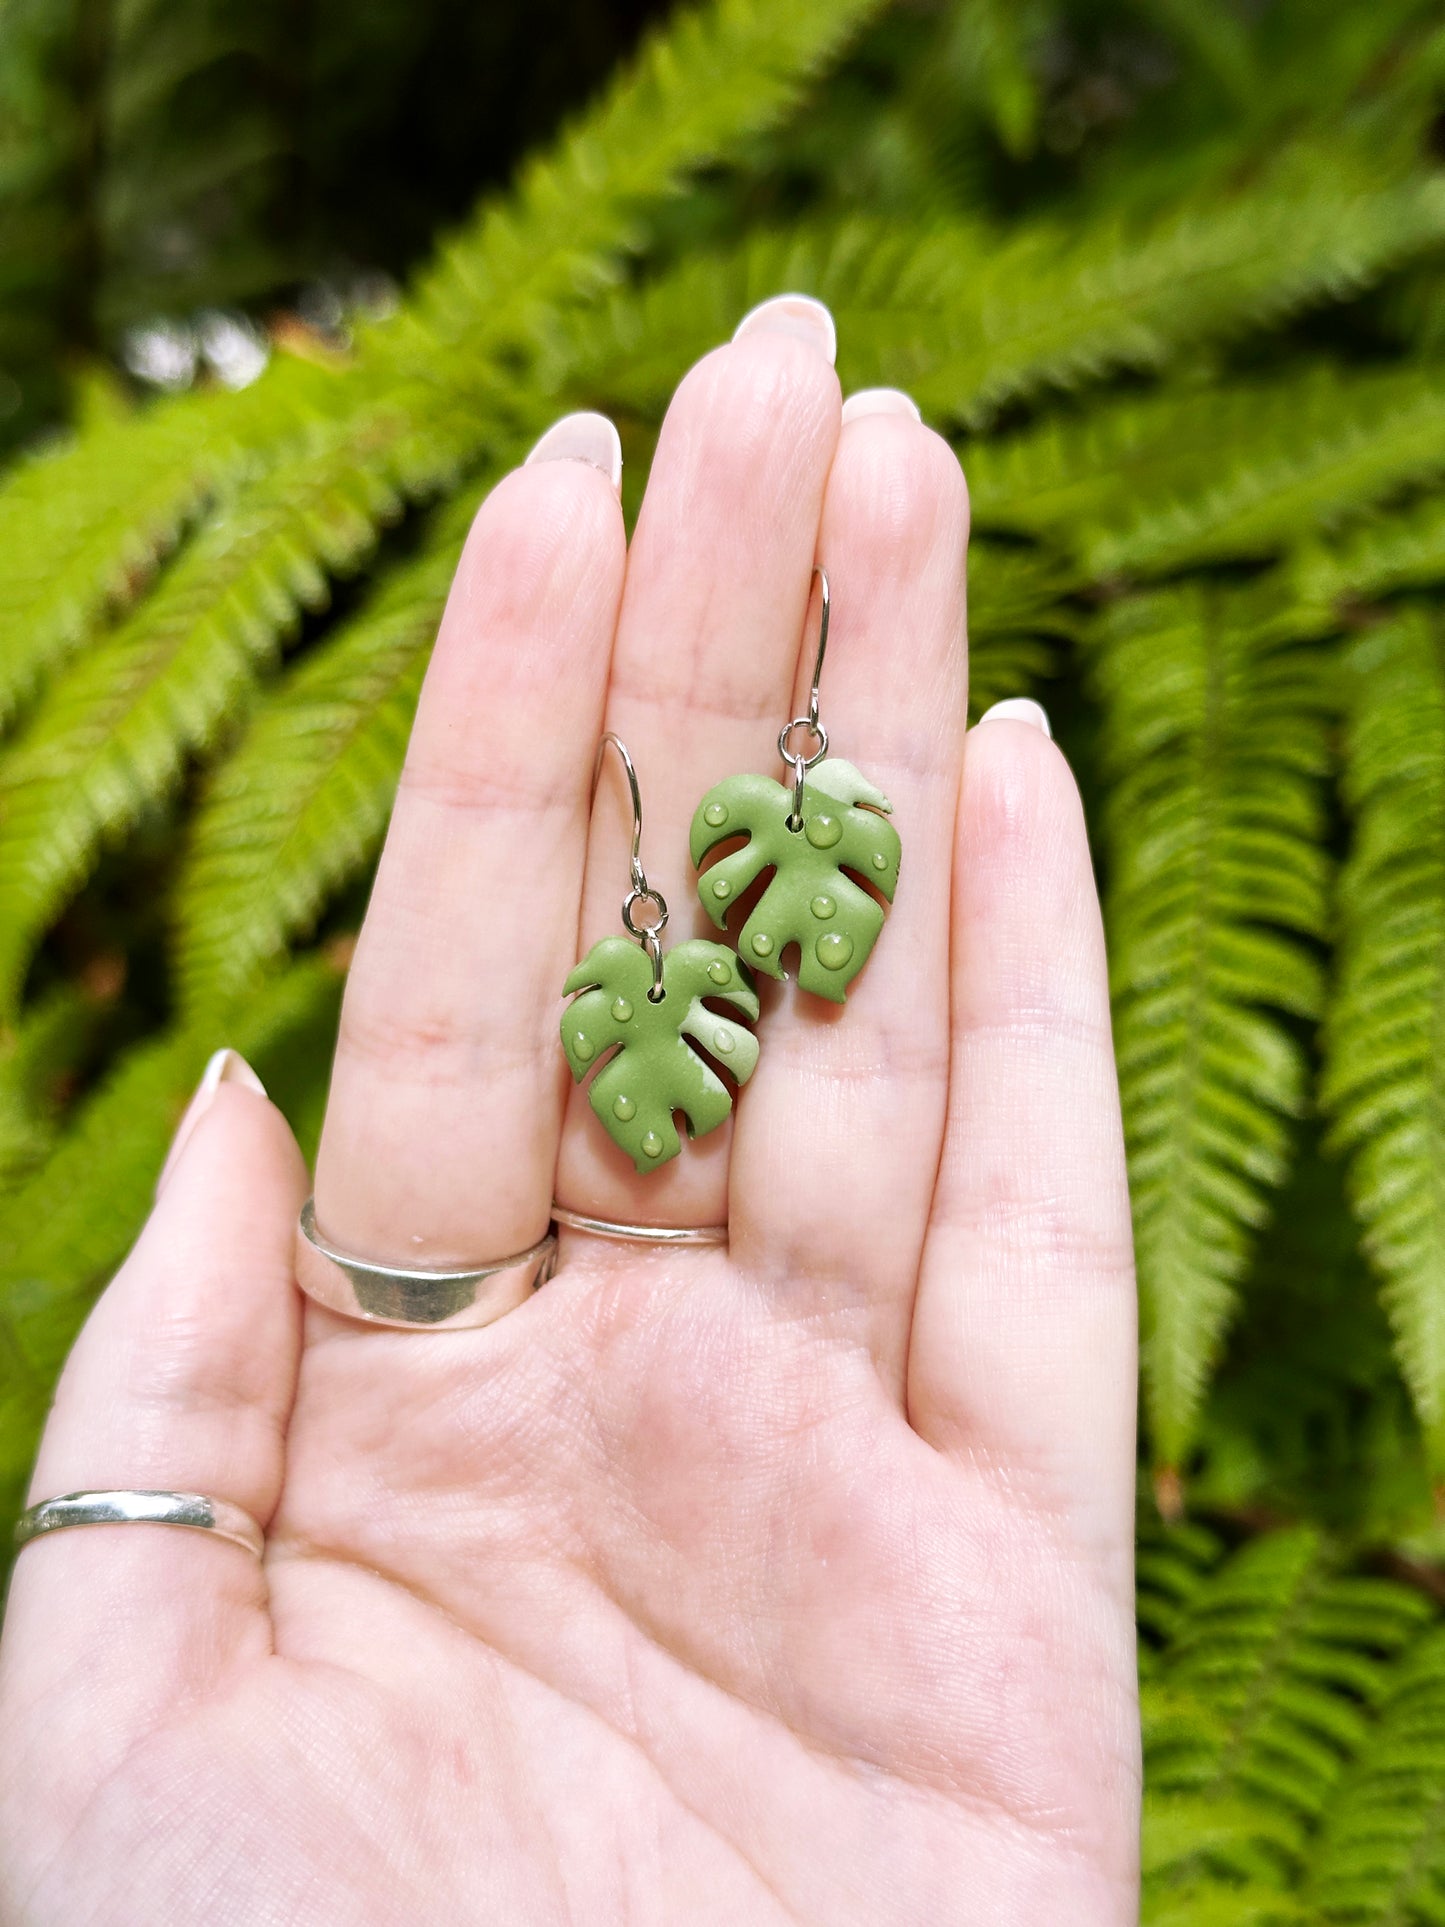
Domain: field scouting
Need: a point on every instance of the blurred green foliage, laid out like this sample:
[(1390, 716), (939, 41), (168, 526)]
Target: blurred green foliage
[(1171, 275)]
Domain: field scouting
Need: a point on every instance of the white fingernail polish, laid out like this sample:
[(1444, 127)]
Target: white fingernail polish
[(583, 437), (225, 1067), (793, 314), (1019, 709), (880, 401)]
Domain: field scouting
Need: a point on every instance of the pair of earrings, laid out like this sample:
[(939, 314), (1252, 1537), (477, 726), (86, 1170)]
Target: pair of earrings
[(648, 1019)]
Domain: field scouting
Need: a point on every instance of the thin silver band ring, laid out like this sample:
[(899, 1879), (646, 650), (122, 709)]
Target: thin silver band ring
[(437, 1300), (127, 1507), (655, 1234)]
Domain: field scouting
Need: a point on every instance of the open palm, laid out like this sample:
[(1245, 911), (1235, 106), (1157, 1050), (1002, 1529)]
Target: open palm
[(783, 1582)]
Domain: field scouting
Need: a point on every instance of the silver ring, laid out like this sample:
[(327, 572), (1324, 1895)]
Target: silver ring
[(654, 1234), (128, 1508), (436, 1300)]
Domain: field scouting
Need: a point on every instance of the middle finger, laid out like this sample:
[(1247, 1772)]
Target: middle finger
[(713, 610)]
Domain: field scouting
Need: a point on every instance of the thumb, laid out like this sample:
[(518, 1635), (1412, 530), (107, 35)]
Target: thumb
[(182, 1379)]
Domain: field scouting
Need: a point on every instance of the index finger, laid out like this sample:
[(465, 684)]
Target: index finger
[(446, 1098)]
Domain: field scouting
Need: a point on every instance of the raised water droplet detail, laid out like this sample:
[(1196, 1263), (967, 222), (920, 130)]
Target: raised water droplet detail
[(834, 950), (624, 1107), (880, 862), (583, 1046), (725, 1042), (823, 830), (621, 1009), (762, 944), (823, 908), (715, 813), (652, 1145), (722, 889), (720, 972)]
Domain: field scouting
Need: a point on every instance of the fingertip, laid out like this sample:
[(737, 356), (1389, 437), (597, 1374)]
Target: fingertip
[(225, 1066), (538, 579), (1017, 782), (1019, 709), (239, 1172), (898, 488), (802, 317), (582, 437)]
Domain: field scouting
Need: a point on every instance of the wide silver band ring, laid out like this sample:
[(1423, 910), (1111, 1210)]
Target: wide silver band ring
[(435, 1300), (193, 1510), (655, 1234)]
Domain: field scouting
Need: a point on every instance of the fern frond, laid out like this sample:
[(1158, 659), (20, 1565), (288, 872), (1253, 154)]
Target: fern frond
[(65, 1228), (1272, 1675), (83, 526), (111, 736), (1200, 475), (1215, 740), (1170, 1565), (1384, 1081), (1381, 1855), (302, 805), (969, 319), (1019, 613), (1225, 1905), (36, 1058), (1384, 555), (710, 80)]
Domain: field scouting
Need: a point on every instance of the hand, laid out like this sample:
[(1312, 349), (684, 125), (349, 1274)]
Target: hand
[(786, 1582)]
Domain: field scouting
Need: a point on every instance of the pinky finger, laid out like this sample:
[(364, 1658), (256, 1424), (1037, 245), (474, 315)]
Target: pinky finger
[(182, 1380), (1023, 1345)]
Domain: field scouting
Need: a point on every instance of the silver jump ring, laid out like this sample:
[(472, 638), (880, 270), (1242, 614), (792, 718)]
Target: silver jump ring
[(819, 734), (397, 1295), (126, 1507), (629, 904)]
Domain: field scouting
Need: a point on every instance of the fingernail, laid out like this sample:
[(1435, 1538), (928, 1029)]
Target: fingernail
[(880, 401), (226, 1067), (583, 437), (1019, 709), (793, 314)]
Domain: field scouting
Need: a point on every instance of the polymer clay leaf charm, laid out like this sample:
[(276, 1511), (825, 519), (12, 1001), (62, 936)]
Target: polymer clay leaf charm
[(656, 1067), (812, 898)]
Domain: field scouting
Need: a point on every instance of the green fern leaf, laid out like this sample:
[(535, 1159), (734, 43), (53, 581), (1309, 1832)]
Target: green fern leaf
[(1170, 1566), (1381, 1857), (1384, 1081), (1190, 476), (969, 319), (713, 78), (301, 807), (1263, 1699), (1215, 738), (83, 527), (1387, 554), (111, 736), (66, 1227), (36, 1060)]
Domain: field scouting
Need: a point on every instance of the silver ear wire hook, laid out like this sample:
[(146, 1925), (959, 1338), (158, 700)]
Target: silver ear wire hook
[(800, 764), (649, 935)]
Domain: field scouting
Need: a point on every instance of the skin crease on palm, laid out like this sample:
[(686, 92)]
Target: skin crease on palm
[(786, 1582)]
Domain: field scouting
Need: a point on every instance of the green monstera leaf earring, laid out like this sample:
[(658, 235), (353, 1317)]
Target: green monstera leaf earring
[(640, 1020), (821, 836)]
